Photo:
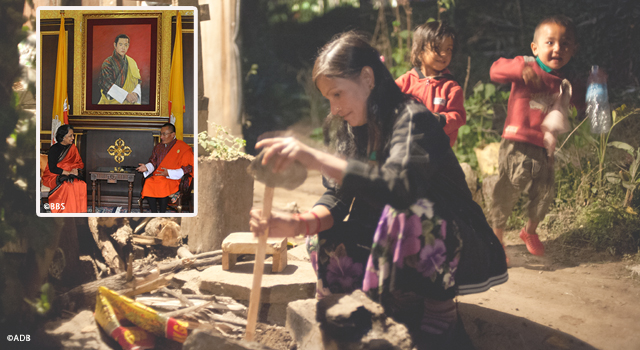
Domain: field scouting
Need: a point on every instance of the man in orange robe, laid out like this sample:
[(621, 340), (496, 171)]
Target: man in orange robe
[(68, 192), (170, 160)]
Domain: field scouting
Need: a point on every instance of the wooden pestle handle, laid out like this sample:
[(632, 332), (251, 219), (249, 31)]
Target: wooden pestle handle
[(258, 268)]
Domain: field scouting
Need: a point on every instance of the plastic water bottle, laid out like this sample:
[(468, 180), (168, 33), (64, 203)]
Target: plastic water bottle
[(598, 110)]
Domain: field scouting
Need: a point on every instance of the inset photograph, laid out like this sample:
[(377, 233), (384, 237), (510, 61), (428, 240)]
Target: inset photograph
[(117, 108)]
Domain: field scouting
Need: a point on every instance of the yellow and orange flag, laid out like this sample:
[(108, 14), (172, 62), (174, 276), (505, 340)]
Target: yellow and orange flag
[(60, 113), (176, 88)]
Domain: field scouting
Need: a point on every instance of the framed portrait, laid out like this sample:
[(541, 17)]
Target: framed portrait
[(121, 60)]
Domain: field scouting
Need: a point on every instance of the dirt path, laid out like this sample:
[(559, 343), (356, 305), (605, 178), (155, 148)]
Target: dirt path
[(551, 305), (553, 302)]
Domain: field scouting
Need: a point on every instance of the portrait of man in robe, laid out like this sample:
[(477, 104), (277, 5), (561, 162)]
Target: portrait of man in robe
[(119, 79), (121, 59)]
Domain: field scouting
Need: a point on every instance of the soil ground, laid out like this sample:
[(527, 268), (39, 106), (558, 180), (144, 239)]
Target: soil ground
[(577, 300)]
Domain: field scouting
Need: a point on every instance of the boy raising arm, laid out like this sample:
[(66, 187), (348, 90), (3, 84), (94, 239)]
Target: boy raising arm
[(523, 160)]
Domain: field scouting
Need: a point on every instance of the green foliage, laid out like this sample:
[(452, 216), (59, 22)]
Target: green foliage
[(401, 64), (400, 53), (481, 107), (601, 141), (604, 227), (628, 177), (221, 145), (17, 169), (42, 305)]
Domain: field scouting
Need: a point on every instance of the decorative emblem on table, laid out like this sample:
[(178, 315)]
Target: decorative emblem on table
[(118, 150)]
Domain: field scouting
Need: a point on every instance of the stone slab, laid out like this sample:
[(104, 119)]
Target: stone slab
[(297, 281), (299, 253), (188, 281), (301, 323)]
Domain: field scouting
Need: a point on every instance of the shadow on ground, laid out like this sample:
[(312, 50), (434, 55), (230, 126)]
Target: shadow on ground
[(494, 330)]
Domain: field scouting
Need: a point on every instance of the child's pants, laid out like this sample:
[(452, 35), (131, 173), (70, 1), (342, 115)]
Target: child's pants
[(523, 167)]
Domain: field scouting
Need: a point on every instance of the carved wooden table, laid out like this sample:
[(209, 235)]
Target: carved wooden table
[(112, 175)]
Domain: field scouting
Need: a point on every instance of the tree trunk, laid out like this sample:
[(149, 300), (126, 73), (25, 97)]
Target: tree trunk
[(225, 197)]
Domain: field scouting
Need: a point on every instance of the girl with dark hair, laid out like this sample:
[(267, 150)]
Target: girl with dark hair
[(397, 219), (68, 192), (430, 81)]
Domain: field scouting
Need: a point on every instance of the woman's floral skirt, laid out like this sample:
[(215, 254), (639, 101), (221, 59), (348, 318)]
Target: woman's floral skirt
[(414, 251)]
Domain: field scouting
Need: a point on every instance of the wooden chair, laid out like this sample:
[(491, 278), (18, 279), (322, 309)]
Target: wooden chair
[(184, 199)]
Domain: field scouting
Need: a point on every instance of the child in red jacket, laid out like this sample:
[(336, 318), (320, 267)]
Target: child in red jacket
[(524, 162), (430, 81)]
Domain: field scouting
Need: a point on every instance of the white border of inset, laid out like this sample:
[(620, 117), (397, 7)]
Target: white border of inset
[(121, 9)]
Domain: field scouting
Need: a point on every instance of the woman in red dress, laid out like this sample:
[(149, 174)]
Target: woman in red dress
[(68, 192)]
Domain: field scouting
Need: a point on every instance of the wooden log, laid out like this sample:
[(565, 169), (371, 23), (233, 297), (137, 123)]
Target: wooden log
[(141, 225), (129, 277), (183, 252), (85, 295), (188, 263), (145, 240), (109, 253), (208, 254), (123, 234)]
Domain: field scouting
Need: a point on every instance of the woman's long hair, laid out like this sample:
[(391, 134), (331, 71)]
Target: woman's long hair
[(344, 57)]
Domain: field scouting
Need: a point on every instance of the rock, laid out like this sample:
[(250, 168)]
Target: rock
[(470, 176), (488, 159), (356, 322), (297, 281), (488, 186), (188, 281), (205, 340), (290, 178), (302, 324)]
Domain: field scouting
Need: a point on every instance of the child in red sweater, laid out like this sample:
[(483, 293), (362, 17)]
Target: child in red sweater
[(524, 162), (430, 81)]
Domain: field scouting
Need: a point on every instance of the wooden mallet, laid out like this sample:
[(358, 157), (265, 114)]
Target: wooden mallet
[(289, 179)]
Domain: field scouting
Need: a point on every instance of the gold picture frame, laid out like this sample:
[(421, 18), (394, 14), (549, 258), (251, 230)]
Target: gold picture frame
[(100, 30)]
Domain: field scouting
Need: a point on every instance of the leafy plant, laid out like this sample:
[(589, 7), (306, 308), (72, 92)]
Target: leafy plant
[(221, 145), (603, 140), (42, 305), (604, 227), (479, 129), (627, 177)]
